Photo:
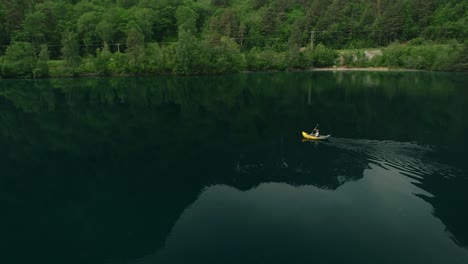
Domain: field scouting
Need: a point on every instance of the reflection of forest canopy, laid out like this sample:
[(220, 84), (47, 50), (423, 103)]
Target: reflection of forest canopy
[(355, 104), (56, 38), (100, 154)]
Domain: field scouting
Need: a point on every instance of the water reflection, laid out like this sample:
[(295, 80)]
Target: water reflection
[(111, 170), (278, 223), (316, 163), (299, 223)]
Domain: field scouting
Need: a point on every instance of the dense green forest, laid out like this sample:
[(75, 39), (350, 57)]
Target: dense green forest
[(42, 38)]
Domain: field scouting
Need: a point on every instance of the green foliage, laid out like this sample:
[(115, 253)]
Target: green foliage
[(135, 48), (188, 57), (118, 63), (354, 58), (86, 28), (219, 3), (323, 56), (70, 50), (186, 19), (161, 59), (57, 68), (266, 59), (461, 64), (19, 60), (106, 31), (257, 59), (103, 59), (226, 57), (34, 28), (86, 66), (426, 57), (4, 34), (42, 65), (449, 21), (220, 36)]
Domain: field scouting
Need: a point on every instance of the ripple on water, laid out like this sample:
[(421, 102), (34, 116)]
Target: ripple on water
[(408, 158)]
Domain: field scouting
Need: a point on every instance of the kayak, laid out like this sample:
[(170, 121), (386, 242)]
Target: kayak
[(309, 136)]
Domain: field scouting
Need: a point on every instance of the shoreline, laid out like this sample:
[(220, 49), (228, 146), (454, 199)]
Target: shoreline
[(373, 69), (352, 69), (326, 69)]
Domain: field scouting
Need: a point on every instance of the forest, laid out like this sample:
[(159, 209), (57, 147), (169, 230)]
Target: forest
[(51, 38)]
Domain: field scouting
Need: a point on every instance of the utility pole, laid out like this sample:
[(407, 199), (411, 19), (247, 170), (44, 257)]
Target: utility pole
[(312, 33)]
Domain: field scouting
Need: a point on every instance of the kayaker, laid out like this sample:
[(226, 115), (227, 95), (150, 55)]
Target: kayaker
[(316, 132)]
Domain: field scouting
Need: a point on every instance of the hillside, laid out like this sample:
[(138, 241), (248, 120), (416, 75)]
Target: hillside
[(41, 38)]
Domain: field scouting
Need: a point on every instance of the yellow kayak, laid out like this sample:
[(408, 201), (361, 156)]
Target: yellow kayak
[(309, 136)]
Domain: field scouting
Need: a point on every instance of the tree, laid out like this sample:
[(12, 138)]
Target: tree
[(188, 54), (186, 19), (42, 65), (226, 56), (241, 34), (315, 11), (19, 60), (226, 24), (57, 14), (4, 34), (296, 38), (462, 63), (268, 22), (257, 4), (86, 26), (164, 21), (34, 29), (219, 3), (333, 15), (322, 56), (70, 49), (106, 31), (135, 47), (421, 11)]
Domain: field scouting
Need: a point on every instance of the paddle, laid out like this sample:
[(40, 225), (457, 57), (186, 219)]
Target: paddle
[(315, 129)]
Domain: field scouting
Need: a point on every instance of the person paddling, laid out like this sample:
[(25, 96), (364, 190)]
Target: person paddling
[(315, 132)]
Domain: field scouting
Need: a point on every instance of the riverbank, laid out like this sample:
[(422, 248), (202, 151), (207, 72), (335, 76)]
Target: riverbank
[(123, 75), (358, 69), (376, 69)]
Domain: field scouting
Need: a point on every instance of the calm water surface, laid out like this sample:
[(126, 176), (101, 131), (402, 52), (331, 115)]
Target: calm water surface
[(214, 169)]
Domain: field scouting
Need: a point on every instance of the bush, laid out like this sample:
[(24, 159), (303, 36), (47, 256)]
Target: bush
[(103, 58), (87, 66), (323, 57), (393, 55), (57, 68), (461, 63), (42, 66), (225, 57), (425, 57), (118, 63), (355, 58), (296, 59), (19, 60), (417, 41), (256, 60)]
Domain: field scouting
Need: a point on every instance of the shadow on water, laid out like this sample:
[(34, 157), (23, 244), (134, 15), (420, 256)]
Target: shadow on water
[(108, 170)]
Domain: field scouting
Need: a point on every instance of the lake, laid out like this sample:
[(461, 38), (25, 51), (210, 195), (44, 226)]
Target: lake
[(213, 169)]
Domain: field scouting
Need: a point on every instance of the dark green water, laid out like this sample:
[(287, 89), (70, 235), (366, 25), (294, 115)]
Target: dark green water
[(214, 169)]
